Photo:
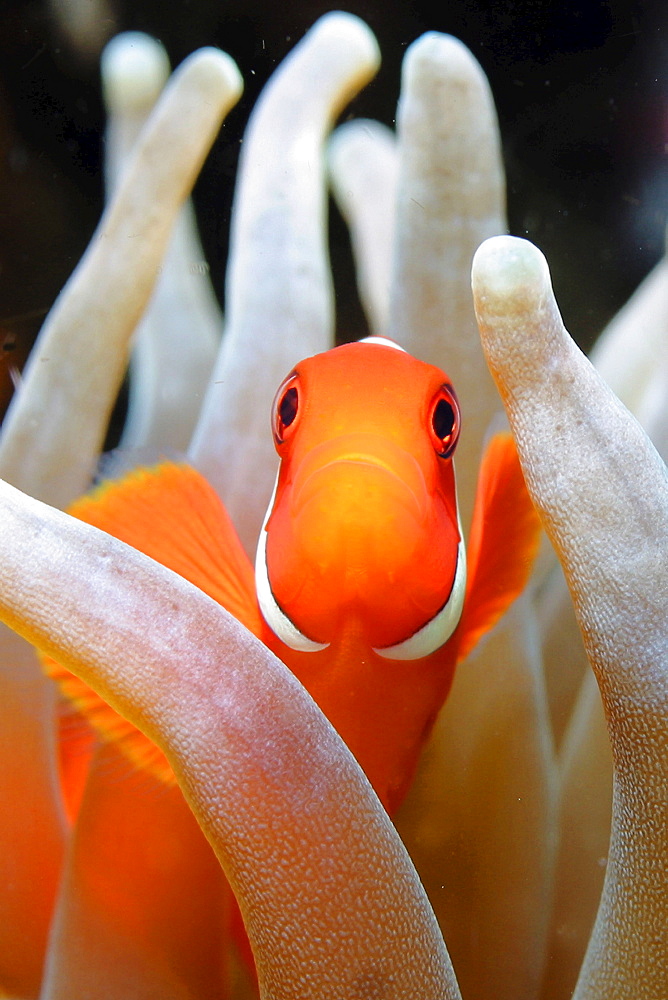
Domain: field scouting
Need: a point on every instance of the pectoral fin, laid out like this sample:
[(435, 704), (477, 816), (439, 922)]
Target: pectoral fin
[(503, 542), (170, 513)]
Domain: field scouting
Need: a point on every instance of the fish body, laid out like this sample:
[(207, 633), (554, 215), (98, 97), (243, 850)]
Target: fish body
[(361, 566), (361, 583)]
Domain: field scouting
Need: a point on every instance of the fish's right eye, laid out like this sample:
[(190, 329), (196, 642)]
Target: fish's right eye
[(285, 408)]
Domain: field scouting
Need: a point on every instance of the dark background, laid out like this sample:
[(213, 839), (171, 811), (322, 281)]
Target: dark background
[(580, 90)]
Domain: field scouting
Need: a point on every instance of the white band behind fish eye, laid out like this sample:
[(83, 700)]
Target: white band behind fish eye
[(437, 631), (276, 619)]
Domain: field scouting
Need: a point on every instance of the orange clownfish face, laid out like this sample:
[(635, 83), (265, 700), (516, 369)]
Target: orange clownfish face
[(362, 542)]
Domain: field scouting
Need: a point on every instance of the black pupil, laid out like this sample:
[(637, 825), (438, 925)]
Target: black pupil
[(443, 420), (287, 408)]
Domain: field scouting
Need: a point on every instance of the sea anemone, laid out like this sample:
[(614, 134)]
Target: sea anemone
[(125, 897)]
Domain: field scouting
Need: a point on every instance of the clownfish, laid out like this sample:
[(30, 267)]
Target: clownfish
[(362, 583)]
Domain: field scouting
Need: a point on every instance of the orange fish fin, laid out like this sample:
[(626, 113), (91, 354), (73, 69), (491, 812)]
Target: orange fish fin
[(170, 513), (82, 701), (503, 542), (77, 742)]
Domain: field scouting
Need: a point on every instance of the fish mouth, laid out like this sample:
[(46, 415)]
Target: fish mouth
[(354, 473)]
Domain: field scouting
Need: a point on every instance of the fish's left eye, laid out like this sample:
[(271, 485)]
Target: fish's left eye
[(285, 407), (444, 421)]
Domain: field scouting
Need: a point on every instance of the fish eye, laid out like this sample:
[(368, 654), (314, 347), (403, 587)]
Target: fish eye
[(445, 421), (285, 407)]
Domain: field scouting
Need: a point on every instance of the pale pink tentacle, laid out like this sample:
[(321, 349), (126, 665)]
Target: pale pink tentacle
[(450, 197), (279, 304), (331, 901), (479, 821), (55, 427), (602, 491)]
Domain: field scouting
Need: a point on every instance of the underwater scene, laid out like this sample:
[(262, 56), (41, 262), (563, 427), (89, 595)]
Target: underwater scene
[(333, 567)]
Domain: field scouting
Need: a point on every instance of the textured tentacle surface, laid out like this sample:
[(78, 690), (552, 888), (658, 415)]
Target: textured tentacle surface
[(602, 492), (331, 901)]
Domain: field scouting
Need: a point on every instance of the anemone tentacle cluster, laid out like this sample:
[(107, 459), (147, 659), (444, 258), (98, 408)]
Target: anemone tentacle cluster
[(117, 893)]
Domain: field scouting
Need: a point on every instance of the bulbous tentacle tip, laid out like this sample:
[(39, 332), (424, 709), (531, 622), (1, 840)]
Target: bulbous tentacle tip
[(134, 68), (216, 71), (519, 321), (446, 51), (507, 273), (351, 31)]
